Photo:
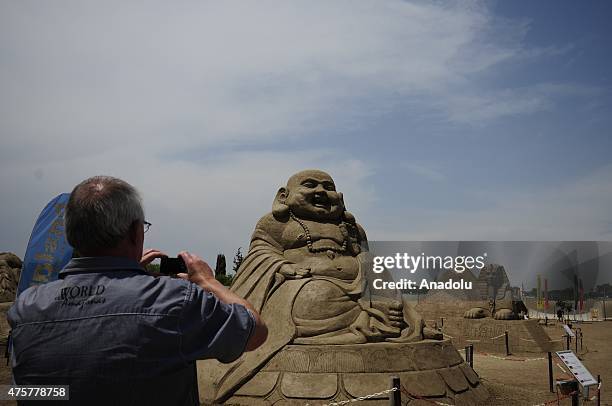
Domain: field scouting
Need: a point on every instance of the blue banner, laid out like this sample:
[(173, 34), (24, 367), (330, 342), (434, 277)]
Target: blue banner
[(48, 251)]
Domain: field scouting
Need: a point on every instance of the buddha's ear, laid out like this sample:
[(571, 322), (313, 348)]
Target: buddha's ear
[(279, 207), (347, 216)]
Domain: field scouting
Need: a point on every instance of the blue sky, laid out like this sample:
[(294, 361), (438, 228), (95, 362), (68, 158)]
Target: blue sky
[(438, 120)]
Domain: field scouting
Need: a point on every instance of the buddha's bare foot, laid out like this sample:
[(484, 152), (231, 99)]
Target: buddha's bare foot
[(393, 311), (432, 334), (475, 313), (408, 335), (504, 314)]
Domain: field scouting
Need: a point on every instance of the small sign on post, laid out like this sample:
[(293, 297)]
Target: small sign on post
[(577, 369), (568, 335), (568, 331)]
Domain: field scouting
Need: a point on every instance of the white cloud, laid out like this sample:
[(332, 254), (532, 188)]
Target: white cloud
[(482, 107), (119, 88), (91, 76), (424, 170), (579, 210)]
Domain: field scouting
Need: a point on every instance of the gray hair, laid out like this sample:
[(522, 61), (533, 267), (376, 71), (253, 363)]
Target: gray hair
[(100, 212)]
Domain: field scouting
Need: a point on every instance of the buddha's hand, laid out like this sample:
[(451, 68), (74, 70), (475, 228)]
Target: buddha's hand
[(291, 271), (476, 313)]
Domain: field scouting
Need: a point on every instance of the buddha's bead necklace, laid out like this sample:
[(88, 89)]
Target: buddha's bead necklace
[(343, 227)]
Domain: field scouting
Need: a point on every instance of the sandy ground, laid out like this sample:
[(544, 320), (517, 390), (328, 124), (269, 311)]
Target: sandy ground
[(519, 380)]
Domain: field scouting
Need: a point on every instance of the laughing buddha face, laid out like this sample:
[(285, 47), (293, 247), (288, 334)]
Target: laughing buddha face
[(312, 195)]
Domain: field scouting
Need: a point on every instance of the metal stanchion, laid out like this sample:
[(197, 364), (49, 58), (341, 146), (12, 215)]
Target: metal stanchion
[(576, 339), (598, 390), (472, 355), (550, 372), (567, 338), (395, 397), (575, 397), (507, 344)]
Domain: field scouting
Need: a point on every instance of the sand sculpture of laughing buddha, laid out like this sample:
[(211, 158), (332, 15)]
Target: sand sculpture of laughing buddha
[(305, 274), (311, 251)]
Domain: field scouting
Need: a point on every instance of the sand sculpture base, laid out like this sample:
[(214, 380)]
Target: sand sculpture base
[(488, 335), (318, 375)]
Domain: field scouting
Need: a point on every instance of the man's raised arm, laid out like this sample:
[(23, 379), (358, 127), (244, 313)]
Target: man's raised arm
[(200, 273)]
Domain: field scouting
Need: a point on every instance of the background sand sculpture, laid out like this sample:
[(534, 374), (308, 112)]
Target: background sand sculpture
[(493, 290), (10, 270)]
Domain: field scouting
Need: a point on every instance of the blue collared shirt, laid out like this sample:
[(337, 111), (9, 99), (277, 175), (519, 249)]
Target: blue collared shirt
[(113, 332)]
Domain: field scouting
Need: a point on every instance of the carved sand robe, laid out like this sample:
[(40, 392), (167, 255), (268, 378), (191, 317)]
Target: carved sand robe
[(305, 274)]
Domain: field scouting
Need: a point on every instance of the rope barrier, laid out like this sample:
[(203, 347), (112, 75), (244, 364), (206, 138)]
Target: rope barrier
[(550, 402), (366, 397), (510, 359), (415, 396), (411, 395), (561, 368), (592, 398)]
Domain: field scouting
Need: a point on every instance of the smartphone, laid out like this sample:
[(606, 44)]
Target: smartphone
[(172, 266)]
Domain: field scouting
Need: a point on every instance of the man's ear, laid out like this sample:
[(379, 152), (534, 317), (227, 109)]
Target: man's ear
[(280, 209), (133, 232)]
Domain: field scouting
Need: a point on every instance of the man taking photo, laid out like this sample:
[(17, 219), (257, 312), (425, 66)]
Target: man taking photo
[(111, 331)]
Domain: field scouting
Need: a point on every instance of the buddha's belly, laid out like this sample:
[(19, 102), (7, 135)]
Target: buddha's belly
[(330, 263), (324, 300)]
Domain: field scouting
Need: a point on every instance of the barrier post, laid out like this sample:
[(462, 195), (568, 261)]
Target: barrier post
[(598, 390), (395, 397), (467, 354), (550, 372), (575, 396), (576, 339), (507, 344), (567, 338), (472, 355)]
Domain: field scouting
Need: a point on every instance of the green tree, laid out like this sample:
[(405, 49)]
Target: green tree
[(220, 267), (238, 258)]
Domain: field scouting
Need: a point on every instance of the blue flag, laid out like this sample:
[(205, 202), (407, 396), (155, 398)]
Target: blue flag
[(48, 251)]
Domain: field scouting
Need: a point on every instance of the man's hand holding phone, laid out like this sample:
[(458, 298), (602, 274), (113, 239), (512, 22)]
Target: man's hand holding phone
[(196, 269), (172, 266)]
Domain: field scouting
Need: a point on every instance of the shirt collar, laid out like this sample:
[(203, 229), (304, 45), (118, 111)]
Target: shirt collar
[(99, 264)]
